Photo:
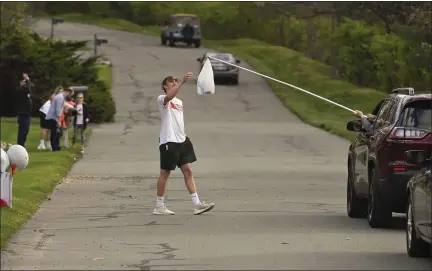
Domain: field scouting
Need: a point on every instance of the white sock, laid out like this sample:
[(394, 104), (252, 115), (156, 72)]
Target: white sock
[(195, 199), (160, 201), (42, 142)]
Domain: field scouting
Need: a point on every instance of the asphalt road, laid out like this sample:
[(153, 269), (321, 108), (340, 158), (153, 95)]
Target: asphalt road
[(278, 184)]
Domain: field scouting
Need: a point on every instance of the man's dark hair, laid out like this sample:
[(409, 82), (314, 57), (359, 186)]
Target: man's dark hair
[(166, 80)]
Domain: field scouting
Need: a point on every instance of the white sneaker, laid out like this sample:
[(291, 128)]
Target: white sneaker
[(41, 147), (203, 207), (162, 210), (48, 146)]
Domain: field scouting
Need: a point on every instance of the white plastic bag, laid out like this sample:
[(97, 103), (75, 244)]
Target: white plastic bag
[(205, 82), (6, 181)]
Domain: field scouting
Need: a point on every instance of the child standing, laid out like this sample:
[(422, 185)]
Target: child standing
[(67, 117), (80, 120)]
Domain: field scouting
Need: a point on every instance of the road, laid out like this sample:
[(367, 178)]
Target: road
[(278, 184)]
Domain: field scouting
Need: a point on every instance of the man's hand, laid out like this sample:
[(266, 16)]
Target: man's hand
[(187, 76), (370, 116), (358, 113), (25, 76)]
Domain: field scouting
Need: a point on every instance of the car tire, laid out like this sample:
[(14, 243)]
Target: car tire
[(379, 214), (171, 43), (197, 44), (235, 80), (356, 207), (416, 247), (163, 41)]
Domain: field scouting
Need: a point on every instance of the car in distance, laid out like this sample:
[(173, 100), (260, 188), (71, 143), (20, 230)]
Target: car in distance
[(222, 71), (419, 207), (377, 171), (183, 28)]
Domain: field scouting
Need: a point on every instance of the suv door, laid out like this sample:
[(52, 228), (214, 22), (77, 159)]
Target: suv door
[(360, 158), (382, 127), (428, 197)]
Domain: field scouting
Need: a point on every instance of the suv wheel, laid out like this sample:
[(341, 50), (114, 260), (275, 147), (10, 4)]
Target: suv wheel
[(356, 207), (416, 247), (163, 41), (197, 44), (379, 214)]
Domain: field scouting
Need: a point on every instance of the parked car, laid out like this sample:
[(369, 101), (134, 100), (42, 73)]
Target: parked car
[(419, 207), (183, 28), (377, 171), (222, 71)]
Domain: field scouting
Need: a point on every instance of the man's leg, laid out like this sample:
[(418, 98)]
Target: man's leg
[(168, 160), (54, 135), (187, 156), (48, 138), (23, 129), (20, 139)]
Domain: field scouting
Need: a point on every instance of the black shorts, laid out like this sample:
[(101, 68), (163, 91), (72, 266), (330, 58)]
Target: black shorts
[(44, 124), (176, 154)]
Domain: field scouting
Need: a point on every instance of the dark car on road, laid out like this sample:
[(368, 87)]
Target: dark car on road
[(222, 71), (419, 207), (377, 171), (183, 28)]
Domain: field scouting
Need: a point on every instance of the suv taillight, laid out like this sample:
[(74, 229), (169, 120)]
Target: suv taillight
[(408, 133)]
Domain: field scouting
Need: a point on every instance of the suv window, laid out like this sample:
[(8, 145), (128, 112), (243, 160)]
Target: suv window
[(417, 114), (385, 115)]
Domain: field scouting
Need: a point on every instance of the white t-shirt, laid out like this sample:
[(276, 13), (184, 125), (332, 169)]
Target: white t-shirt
[(79, 116), (172, 122), (45, 107)]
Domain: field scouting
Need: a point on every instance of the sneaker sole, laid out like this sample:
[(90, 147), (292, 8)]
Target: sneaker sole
[(157, 213), (204, 211)]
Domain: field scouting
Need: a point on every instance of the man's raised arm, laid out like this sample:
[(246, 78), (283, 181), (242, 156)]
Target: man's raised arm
[(172, 92)]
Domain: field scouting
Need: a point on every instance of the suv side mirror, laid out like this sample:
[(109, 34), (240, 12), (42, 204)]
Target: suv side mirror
[(416, 158), (355, 126)]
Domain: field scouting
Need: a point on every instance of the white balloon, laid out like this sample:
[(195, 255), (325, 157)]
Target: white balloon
[(18, 155), (205, 82), (5, 163)]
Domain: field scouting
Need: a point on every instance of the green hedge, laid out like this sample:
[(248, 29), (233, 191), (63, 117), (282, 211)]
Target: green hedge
[(49, 63)]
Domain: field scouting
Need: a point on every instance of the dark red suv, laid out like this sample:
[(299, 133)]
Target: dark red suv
[(377, 171)]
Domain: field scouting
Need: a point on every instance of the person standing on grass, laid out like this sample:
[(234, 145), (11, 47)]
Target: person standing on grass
[(69, 108), (80, 121), (175, 148), (44, 125), (54, 117), (23, 109)]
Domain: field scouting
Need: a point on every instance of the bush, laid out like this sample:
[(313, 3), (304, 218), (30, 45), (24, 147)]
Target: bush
[(49, 63)]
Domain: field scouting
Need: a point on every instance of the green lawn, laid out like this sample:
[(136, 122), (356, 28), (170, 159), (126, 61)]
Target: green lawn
[(286, 65), (105, 74), (46, 169)]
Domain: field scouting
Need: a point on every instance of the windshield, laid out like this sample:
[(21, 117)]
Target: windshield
[(224, 57), (183, 20), (418, 115)]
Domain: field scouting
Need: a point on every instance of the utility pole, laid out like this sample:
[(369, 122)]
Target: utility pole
[(55, 21), (98, 42)]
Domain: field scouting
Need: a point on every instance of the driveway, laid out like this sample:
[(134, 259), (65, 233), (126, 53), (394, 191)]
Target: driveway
[(278, 184)]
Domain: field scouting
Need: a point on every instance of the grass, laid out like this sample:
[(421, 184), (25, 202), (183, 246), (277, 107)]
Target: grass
[(45, 170), (105, 74), (288, 66)]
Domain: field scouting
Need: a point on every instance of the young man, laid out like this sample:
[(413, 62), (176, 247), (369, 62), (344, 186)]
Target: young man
[(54, 117), (175, 147), (23, 109)]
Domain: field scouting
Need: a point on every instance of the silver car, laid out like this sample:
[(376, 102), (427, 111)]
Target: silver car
[(222, 70)]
